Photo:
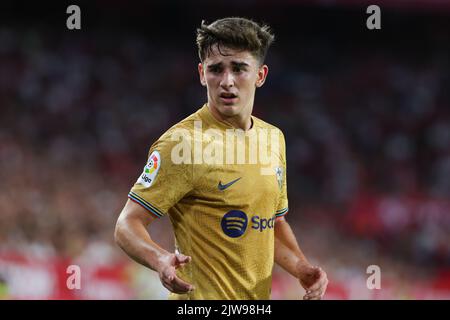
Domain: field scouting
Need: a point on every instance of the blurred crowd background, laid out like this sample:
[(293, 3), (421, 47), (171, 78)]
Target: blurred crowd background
[(366, 115)]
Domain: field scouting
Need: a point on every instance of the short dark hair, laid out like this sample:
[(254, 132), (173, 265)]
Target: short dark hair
[(235, 33)]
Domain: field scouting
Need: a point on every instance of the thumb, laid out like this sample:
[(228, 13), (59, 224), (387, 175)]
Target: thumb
[(181, 259)]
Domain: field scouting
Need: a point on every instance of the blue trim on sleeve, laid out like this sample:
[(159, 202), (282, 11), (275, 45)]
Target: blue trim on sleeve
[(133, 196), (281, 212)]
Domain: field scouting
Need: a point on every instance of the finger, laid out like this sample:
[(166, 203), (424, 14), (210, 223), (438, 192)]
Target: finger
[(322, 279), (318, 285), (173, 289), (168, 286), (322, 287), (306, 297), (174, 286), (181, 285), (313, 296), (168, 275), (317, 294), (181, 260)]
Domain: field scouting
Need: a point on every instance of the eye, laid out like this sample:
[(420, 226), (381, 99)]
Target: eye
[(215, 69), (238, 69)]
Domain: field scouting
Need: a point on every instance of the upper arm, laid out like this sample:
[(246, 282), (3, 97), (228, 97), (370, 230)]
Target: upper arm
[(280, 223), (281, 219), (135, 212)]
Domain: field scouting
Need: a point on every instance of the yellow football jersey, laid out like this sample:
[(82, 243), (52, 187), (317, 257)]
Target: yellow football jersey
[(222, 205)]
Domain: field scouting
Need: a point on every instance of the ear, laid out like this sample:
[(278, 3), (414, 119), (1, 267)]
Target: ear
[(201, 74), (262, 75)]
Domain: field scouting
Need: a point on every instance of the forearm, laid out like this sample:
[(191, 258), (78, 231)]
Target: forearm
[(132, 236), (287, 251)]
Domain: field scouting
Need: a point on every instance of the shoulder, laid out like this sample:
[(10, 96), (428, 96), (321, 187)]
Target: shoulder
[(273, 132), (180, 129), (185, 124), (265, 125)]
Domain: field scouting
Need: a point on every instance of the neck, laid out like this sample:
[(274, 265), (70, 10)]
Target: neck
[(241, 121)]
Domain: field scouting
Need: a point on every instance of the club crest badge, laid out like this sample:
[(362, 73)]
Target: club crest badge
[(279, 172)]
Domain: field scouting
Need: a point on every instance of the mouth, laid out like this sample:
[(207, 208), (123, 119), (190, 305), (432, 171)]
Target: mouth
[(228, 97)]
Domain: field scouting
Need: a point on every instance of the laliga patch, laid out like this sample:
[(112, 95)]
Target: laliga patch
[(150, 170)]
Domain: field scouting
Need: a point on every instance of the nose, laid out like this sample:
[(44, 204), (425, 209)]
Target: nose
[(227, 80)]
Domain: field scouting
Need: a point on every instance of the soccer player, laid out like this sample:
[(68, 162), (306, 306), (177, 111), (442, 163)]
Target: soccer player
[(228, 216)]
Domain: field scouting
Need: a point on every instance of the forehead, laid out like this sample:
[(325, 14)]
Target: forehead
[(228, 55)]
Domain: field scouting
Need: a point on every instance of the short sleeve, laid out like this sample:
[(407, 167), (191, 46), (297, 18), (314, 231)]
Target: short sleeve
[(282, 208), (163, 181)]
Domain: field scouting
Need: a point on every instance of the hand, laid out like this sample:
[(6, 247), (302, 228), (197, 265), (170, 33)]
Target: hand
[(314, 280), (168, 275)]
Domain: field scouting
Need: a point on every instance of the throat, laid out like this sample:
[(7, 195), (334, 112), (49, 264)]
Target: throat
[(241, 121), (244, 124)]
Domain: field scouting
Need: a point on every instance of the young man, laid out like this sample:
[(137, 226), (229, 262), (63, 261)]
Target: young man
[(227, 216)]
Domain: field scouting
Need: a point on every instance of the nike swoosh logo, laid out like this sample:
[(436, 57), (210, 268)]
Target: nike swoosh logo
[(224, 186)]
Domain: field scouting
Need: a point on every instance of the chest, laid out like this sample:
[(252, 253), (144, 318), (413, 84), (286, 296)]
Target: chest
[(237, 185)]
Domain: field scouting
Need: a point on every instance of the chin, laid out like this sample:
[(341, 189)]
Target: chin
[(229, 110)]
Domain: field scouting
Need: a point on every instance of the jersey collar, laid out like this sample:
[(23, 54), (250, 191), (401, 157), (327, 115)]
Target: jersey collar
[(206, 114)]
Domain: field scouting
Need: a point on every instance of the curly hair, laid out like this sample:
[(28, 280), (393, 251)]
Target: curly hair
[(235, 33)]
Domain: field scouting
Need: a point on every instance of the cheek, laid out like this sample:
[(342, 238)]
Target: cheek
[(247, 76), (248, 81), (211, 81)]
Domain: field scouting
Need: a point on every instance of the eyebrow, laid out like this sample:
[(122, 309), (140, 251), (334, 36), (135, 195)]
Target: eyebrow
[(234, 64), (239, 64)]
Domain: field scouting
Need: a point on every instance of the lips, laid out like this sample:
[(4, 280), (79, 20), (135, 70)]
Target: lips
[(228, 95), (228, 98)]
